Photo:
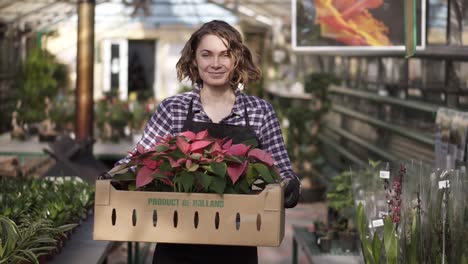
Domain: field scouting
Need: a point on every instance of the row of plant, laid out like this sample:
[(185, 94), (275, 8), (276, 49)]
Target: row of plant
[(411, 213), (117, 119), (44, 103), (38, 215)]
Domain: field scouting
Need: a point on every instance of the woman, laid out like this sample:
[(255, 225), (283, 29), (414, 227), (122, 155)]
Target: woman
[(218, 63)]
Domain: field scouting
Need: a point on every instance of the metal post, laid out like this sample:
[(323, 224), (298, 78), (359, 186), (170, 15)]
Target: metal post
[(85, 68), (294, 260), (129, 253), (137, 253)]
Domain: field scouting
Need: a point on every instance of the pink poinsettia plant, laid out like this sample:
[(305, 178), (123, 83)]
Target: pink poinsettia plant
[(196, 162)]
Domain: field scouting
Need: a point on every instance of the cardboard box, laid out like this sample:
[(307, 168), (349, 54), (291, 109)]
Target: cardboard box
[(194, 218)]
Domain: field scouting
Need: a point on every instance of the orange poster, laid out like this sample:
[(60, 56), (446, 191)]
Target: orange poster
[(352, 25)]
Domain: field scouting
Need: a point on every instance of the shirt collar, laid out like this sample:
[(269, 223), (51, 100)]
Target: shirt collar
[(237, 109)]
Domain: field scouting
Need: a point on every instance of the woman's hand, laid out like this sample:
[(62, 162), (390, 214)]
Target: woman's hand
[(291, 192), (104, 176)]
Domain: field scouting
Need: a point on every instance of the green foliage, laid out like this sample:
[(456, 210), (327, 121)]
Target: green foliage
[(412, 254), (340, 193), (390, 241), (63, 110), (41, 77), (115, 112), (36, 213), (304, 118), (140, 115), (372, 249), (28, 240), (184, 89), (61, 203)]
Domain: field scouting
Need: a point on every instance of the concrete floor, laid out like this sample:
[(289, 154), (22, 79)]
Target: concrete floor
[(304, 214)]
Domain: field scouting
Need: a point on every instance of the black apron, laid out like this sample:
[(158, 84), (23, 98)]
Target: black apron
[(166, 253)]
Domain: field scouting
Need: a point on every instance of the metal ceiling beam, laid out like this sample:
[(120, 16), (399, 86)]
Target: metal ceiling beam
[(35, 11)]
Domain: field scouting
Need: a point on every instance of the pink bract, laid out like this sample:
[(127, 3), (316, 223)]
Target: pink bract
[(144, 176), (202, 134), (183, 145), (235, 170), (262, 156), (238, 150), (188, 134), (199, 145)]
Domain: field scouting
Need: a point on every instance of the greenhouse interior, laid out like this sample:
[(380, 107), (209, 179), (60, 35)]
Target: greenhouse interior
[(233, 131)]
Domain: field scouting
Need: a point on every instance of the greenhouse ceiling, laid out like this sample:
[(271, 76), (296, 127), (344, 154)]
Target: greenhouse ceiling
[(44, 14)]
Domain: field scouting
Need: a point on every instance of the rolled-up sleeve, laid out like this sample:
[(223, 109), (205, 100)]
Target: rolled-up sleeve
[(272, 141)]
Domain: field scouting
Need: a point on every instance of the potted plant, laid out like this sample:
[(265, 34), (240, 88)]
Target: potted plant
[(341, 201), (112, 116), (41, 78), (195, 162), (63, 113), (142, 110), (304, 118)]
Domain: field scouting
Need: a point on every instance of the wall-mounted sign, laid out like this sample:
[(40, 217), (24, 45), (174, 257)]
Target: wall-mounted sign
[(353, 25)]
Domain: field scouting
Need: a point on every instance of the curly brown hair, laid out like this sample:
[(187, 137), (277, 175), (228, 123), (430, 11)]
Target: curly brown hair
[(245, 70)]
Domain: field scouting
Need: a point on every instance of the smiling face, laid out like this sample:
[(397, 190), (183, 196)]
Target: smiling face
[(214, 62)]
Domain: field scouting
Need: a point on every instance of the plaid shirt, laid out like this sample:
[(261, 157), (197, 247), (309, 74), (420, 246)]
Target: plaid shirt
[(171, 113)]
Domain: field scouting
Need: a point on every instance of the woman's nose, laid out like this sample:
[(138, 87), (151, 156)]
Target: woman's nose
[(216, 63)]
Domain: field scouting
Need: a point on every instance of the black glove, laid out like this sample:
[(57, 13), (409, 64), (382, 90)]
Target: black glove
[(292, 193), (118, 185), (104, 176)]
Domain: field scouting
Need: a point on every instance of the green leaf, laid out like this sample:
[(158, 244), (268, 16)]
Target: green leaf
[(132, 186), (362, 230), (177, 154), (341, 187), (218, 185), (390, 241), (219, 168), (10, 234), (129, 175), (30, 256), (376, 248), (193, 167), (45, 240), (165, 166), (252, 174), (207, 168), (234, 159), (38, 250), (264, 172), (187, 180), (204, 179), (65, 228), (361, 218), (243, 186), (196, 156), (229, 189), (161, 148), (251, 142), (414, 244)]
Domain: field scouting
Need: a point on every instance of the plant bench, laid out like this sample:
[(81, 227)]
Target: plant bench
[(306, 241), (81, 248)]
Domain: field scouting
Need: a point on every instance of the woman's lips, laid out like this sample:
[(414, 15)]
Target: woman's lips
[(216, 74)]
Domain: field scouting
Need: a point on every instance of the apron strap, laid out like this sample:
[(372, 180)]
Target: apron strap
[(190, 112), (246, 116)]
